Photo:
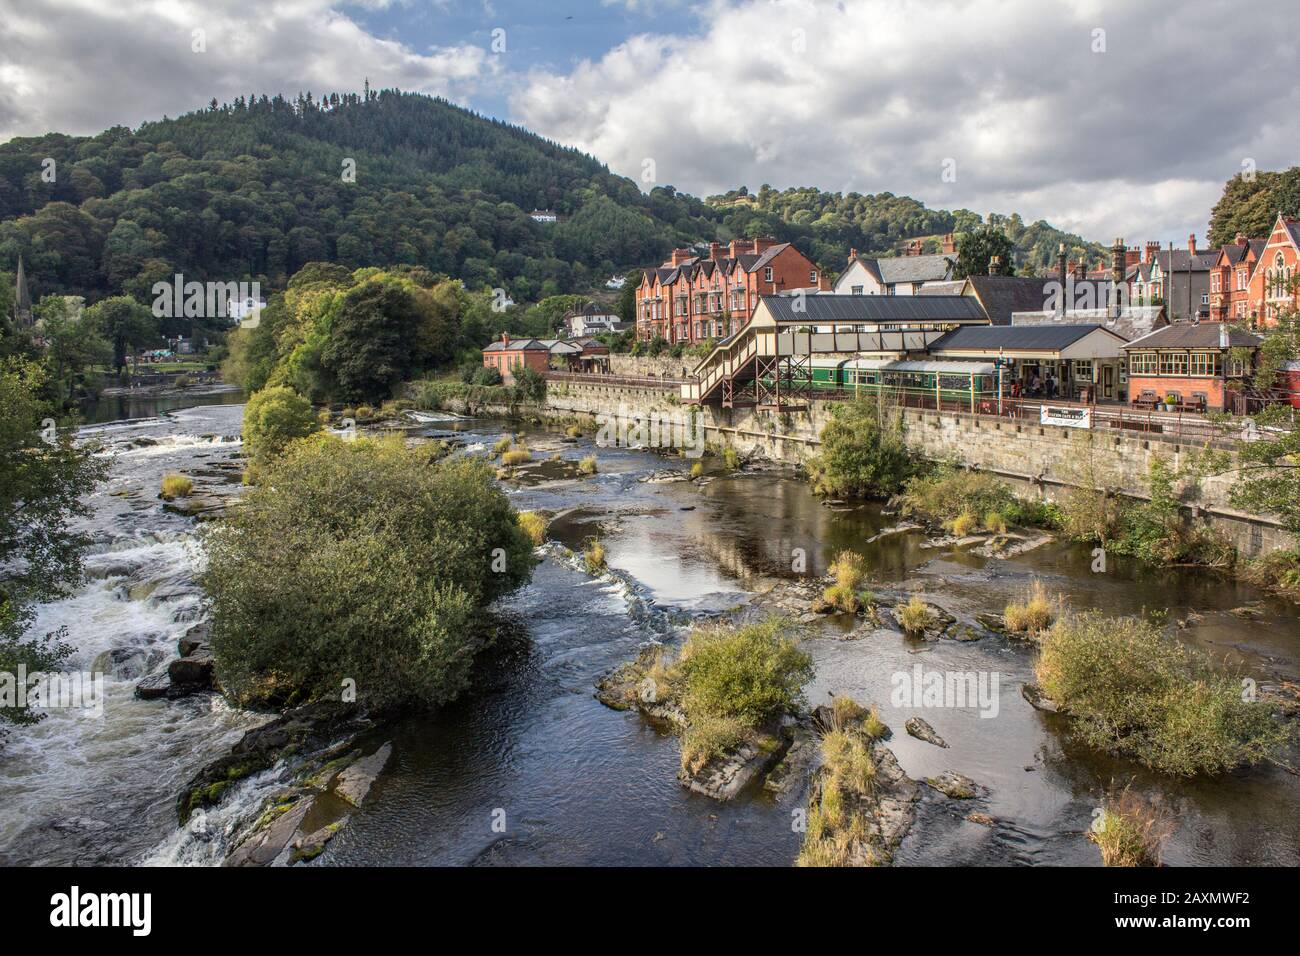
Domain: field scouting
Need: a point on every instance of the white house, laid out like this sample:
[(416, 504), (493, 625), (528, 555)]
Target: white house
[(894, 275), (543, 215), (589, 320), (616, 282)]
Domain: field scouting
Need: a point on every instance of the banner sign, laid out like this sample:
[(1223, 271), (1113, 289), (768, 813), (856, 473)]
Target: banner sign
[(1067, 416)]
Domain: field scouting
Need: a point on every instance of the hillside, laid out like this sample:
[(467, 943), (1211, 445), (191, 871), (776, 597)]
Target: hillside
[(257, 188), (827, 225)]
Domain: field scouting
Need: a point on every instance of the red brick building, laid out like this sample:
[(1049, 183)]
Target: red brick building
[(1191, 363), (694, 298), (1273, 286), (1230, 279), (507, 354)]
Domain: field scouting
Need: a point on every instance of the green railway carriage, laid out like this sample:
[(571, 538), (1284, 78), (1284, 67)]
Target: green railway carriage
[(949, 381)]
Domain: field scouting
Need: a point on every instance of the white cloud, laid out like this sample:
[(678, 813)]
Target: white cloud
[(79, 66), (874, 95)]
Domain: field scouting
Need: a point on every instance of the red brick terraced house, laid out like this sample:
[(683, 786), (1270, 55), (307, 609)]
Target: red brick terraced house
[(1230, 279), (694, 298), (1273, 284)]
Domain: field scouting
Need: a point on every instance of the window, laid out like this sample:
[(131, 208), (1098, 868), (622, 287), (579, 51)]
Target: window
[(1205, 364), (1173, 363), (1241, 280), (1215, 282), (855, 290), (1205, 298), (1144, 363), (812, 277), (767, 274)]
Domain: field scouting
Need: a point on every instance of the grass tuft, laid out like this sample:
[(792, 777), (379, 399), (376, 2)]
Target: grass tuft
[(176, 486)]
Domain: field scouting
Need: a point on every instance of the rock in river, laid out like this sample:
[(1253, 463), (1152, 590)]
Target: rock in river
[(920, 728)]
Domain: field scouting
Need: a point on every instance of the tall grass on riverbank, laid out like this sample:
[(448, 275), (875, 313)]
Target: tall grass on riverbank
[(1130, 831), (839, 831), (1034, 614), (846, 593), (1131, 690)]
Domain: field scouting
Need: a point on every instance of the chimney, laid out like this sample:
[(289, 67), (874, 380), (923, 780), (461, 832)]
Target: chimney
[(1153, 249), (680, 256), (1119, 261), (1132, 257), (913, 247), (1080, 270), (949, 244), (994, 262), (1240, 239), (853, 254), (505, 338), (737, 247), (715, 250), (763, 242), (1062, 266), (1191, 243)]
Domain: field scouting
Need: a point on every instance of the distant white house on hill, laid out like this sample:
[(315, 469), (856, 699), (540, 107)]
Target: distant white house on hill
[(615, 282), (543, 215)]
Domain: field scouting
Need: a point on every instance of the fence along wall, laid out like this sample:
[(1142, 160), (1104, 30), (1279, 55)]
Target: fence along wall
[(1045, 459)]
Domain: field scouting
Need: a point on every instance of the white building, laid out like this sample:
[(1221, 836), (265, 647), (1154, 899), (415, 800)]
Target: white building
[(589, 320), (543, 215)]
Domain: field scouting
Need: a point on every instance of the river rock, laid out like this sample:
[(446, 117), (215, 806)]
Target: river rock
[(1038, 700), (955, 785), (791, 774), (195, 638), (723, 777), (920, 728), (264, 846), (354, 782), (197, 670), (324, 726), (153, 687)]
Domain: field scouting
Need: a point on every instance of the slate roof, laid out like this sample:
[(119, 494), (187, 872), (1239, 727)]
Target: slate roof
[(826, 309), (516, 345), (1133, 321), (933, 268), (1203, 261), (1048, 338), (1196, 335)]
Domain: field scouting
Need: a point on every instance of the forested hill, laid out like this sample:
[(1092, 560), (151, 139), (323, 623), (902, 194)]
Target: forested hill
[(827, 224), (257, 188)]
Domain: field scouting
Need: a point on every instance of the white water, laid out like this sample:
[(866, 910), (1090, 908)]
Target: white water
[(81, 787)]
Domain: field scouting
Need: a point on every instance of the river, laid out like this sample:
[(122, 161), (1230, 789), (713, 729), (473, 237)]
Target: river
[(566, 780)]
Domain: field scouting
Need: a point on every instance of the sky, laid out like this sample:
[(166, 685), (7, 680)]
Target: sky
[(1112, 118)]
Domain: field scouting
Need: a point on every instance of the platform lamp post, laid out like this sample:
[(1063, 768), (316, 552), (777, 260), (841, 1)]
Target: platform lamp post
[(1000, 362)]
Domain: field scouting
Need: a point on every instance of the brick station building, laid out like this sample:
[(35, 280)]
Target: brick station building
[(693, 298)]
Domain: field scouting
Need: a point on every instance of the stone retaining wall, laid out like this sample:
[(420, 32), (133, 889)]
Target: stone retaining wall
[(1043, 459)]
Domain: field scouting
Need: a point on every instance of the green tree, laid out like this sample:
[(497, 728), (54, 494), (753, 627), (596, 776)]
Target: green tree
[(361, 561), (1270, 459), (73, 345), (125, 323), (44, 475), (975, 251), (274, 417), (863, 453)]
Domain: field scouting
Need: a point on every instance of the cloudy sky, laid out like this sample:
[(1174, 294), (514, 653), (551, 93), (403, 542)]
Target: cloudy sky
[(1109, 117)]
